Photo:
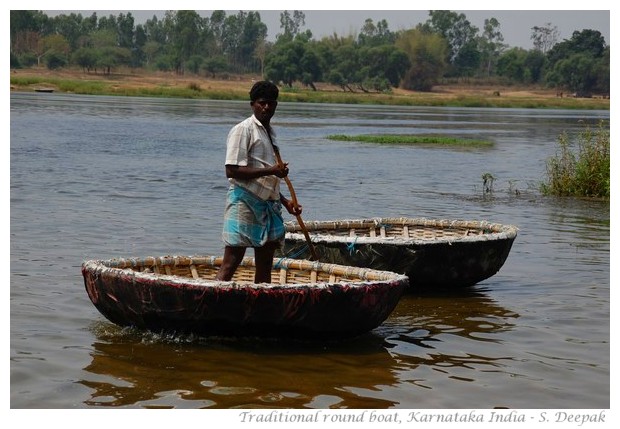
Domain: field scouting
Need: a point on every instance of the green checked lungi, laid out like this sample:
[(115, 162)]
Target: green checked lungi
[(250, 221)]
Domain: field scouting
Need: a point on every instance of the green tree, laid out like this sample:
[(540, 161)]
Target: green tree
[(105, 37), (491, 43), (54, 60), (125, 30), (138, 55), (578, 64), (427, 55), (231, 38), (375, 35), (468, 60), (576, 73), (384, 66), (107, 23), (70, 27), (511, 64), (186, 32), (151, 50), (284, 63), (88, 25), (194, 64), (535, 65), (455, 28), (15, 62), (344, 71), (253, 37), (311, 65), (26, 28), (85, 58), (602, 71), (589, 42), (27, 60), (290, 25), (544, 37), (56, 48), (155, 31), (215, 64), (110, 57), (214, 33)]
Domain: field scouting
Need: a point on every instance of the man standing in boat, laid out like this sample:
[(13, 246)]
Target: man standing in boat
[(254, 203)]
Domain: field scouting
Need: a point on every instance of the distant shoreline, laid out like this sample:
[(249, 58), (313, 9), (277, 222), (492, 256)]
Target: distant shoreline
[(140, 83)]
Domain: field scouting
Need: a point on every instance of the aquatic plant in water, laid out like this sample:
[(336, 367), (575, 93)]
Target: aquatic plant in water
[(410, 139), (581, 170)]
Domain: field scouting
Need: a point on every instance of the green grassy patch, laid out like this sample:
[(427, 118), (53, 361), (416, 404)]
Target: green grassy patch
[(580, 168), (404, 139), (112, 87)]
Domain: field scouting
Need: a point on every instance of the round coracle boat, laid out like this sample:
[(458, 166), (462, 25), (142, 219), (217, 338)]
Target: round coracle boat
[(180, 294), (434, 254)]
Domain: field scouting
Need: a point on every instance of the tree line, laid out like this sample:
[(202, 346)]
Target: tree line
[(445, 47)]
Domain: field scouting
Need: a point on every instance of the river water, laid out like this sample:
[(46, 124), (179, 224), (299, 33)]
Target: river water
[(105, 177)]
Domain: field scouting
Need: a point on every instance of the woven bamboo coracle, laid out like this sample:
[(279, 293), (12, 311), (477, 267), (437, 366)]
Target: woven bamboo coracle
[(285, 271), (434, 254), (179, 294), (406, 229)]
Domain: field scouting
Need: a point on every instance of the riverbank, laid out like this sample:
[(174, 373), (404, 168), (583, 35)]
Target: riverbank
[(158, 84)]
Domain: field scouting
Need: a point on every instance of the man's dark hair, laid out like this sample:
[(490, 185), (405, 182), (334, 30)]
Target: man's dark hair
[(264, 89)]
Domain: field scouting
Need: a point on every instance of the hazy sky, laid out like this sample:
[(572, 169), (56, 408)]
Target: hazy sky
[(515, 25)]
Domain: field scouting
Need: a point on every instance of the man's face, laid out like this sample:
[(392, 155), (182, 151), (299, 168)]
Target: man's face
[(264, 109)]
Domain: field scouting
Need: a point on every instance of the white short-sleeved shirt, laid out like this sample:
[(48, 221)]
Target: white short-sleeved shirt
[(248, 145)]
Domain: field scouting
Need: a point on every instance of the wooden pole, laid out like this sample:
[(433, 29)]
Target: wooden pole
[(296, 204)]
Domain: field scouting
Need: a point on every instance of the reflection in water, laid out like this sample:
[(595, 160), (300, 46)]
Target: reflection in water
[(431, 339), (139, 369), (469, 312), (131, 368)]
